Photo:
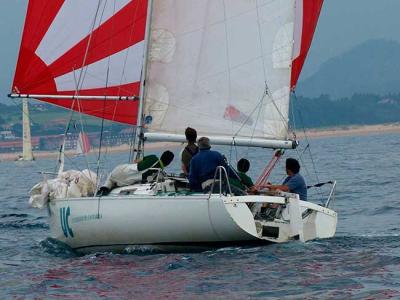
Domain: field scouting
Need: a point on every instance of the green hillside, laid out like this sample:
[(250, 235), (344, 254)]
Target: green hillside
[(361, 109)]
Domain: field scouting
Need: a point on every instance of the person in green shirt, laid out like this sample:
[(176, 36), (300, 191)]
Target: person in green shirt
[(152, 162), (243, 166), (139, 171), (238, 179)]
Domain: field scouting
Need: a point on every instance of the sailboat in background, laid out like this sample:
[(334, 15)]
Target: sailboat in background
[(27, 153), (226, 68), (82, 144)]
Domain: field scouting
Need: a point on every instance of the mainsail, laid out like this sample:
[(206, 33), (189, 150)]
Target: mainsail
[(226, 67), (76, 48)]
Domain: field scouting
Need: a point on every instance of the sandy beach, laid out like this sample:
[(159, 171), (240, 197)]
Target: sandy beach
[(350, 130), (310, 133)]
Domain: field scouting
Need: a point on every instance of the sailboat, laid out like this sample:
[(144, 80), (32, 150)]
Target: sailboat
[(82, 144), (224, 67), (27, 153)]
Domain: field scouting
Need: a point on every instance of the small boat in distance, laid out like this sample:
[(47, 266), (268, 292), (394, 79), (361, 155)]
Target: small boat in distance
[(82, 144), (226, 68), (27, 153)]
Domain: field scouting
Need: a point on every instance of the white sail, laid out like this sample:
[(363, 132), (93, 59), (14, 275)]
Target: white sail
[(211, 62)]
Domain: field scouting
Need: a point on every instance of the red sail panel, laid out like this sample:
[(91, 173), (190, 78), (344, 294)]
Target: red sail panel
[(308, 16), (80, 47)]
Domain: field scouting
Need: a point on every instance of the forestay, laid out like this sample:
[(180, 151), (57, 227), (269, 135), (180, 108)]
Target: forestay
[(224, 67), (84, 48)]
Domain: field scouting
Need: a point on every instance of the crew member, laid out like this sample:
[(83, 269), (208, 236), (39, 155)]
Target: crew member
[(203, 166), (128, 174), (243, 165), (190, 150), (294, 182)]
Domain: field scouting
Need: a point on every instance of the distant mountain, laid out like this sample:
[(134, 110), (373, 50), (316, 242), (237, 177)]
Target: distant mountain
[(372, 67)]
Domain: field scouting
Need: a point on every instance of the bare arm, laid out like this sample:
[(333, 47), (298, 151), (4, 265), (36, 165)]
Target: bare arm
[(185, 170), (282, 187)]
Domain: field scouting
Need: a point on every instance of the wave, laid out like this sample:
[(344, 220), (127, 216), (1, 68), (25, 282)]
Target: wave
[(20, 221), (19, 225), (15, 216), (386, 209)]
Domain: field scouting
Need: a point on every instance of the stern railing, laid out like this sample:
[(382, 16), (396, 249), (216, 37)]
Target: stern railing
[(219, 171), (331, 194)]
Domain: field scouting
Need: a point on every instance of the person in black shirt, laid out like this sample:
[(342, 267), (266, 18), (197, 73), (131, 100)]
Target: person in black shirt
[(190, 150)]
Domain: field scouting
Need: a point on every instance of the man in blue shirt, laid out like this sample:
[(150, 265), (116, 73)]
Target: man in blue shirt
[(294, 183), (203, 165)]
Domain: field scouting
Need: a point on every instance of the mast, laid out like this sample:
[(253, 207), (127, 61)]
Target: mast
[(26, 132), (144, 70), (139, 123)]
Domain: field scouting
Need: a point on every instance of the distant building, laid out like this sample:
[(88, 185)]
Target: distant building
[(39, 106), (7, 135), (51, 142), (16, 145), (9, 143)]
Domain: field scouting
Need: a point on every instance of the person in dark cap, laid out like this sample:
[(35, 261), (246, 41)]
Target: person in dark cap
[(294, 182), (190, 150), (203, 166), (139, 171)]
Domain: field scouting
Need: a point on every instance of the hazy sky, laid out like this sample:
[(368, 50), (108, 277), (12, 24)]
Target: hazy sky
[(346, 23), (343, 24)]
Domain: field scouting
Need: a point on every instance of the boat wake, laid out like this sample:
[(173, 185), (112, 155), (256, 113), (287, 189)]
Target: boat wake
[(57, 248)]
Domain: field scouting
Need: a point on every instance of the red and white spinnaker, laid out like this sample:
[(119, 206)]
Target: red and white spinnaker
[(85, 48)]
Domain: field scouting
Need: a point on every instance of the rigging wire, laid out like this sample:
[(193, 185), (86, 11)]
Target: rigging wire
[(79, 83), (261, 43), (228, 61), (82, 129), (308, 147), (132, 144), (103, 159), (133, 141), (104, 104), (229, 77)]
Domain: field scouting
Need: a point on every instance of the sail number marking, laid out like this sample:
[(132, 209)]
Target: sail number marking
[(65, 212)]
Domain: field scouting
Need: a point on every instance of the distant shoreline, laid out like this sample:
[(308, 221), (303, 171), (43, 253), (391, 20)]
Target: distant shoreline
[(352, 130), (12, 156)]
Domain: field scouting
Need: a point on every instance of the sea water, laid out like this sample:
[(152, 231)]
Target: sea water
[(361, 262)]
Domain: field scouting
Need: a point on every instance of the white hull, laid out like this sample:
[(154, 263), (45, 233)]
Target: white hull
[(116, 222)]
